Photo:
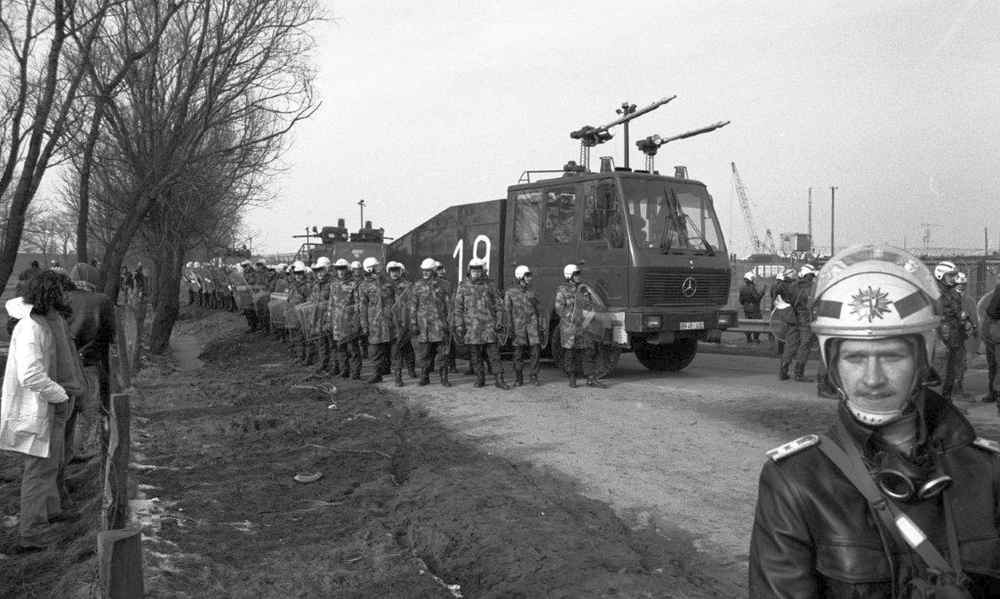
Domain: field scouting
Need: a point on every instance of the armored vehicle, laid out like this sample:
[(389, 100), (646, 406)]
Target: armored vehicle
[(336, 243), (649, 246)]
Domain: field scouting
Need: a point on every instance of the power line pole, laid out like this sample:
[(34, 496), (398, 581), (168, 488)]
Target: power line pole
[(810, 217), (361, 203), (833, 206)]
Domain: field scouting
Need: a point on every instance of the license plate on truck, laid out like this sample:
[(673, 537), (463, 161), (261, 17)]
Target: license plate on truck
[(692, 325)]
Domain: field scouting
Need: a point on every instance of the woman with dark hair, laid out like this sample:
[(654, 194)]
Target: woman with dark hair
[(34, 407)]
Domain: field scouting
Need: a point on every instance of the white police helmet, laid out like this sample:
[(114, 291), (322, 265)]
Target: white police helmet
[(520, 271), (322, 262), (806, 270), (392, 264), (355, 265), (750, 276), (428, 264), (298, 266), (569, 270), (477, 263), (875, 292), (341, 263), (370, 263), (944, 268)]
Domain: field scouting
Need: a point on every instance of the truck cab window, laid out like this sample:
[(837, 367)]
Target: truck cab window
[(526, 218), (560, 216), (602, 220)]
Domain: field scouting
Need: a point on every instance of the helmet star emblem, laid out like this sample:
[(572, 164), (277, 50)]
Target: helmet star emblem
[(870, 303)]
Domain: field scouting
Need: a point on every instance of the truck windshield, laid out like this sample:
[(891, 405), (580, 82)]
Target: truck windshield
[(670, 219)]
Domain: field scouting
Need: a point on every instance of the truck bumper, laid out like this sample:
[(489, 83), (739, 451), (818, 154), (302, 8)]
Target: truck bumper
[(661, 327)]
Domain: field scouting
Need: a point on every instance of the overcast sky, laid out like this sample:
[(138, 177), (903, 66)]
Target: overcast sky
[(436, 103)]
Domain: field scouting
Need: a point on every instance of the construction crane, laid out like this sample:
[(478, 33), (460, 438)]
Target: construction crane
[(759, 247)]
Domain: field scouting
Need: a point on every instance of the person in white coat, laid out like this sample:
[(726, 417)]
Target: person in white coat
[(34, 409)]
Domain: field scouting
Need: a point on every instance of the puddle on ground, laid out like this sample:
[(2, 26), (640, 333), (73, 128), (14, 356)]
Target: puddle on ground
[(185, 350)]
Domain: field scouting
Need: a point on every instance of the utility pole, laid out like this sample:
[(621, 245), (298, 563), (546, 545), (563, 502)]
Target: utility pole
[(810, 217), (833, 205), (361, 203), (625, 110)]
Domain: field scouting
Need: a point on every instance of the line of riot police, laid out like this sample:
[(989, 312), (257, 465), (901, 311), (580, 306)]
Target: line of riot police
[(336, 315)]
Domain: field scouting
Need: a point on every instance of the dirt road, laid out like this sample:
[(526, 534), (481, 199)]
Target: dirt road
[(679, 453)]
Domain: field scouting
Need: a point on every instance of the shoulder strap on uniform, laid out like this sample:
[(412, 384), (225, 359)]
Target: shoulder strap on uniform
[(851, 465), (987, 444), (792, 447)]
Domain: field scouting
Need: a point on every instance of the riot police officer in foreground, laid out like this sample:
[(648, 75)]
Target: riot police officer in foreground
[(478, 320), (430, 318), (900, 498), (572, 298), (526, 325)]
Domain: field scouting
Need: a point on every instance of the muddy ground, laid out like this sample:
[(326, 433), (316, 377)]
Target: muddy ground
[(403, 507)]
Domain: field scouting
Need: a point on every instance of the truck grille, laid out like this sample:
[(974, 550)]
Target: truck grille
[(664, 288)]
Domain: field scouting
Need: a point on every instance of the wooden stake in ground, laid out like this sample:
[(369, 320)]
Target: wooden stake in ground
[(119, 553), (115, 502)]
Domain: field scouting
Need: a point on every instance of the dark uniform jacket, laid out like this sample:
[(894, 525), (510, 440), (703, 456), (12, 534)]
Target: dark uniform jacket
[(478, 311), (952, 329), (750, 298), (345, 324), (430, 312), (815, 536), (377, 296), (92, 326), (570, 302), (523, 315)]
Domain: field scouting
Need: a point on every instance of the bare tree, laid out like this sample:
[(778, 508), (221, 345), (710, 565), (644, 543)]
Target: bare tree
[(228, 77), (42, 75)]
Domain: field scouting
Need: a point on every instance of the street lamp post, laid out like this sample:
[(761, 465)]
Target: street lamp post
[(833, 204), (361, 203)]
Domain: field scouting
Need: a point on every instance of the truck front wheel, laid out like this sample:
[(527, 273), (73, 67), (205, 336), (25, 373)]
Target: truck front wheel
[(667, 357)]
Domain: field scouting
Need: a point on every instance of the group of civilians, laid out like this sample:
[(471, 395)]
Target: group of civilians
[(56, 390)]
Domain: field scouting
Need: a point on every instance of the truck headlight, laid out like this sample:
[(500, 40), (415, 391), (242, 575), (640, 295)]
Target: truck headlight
[(652, 321)]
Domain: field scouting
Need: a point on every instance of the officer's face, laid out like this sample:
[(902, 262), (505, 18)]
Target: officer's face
[(426, 273), (877, 373), (341, 273), (475, 274), (395, 273)]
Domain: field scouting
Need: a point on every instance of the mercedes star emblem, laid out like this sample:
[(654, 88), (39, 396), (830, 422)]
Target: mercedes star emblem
[(689, 287)]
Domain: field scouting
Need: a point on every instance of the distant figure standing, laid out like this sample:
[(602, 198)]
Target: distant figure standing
[(750, 298), (989, 327), (126, 284), (139, 283)]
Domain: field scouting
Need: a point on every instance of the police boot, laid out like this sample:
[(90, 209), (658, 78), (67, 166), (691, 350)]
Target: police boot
[(480, 379), (534, 380), (518, 378), (990, 397), (345, 370), (800, 374), (572, 379), (470, 369), (311, 354), (399, 378), (592, 381), (411, 372), (425, 378), (444, 377), (783, 373), (335, 370), (499, 383)]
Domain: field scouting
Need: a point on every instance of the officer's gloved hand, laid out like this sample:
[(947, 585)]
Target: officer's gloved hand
[(498, 327)]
